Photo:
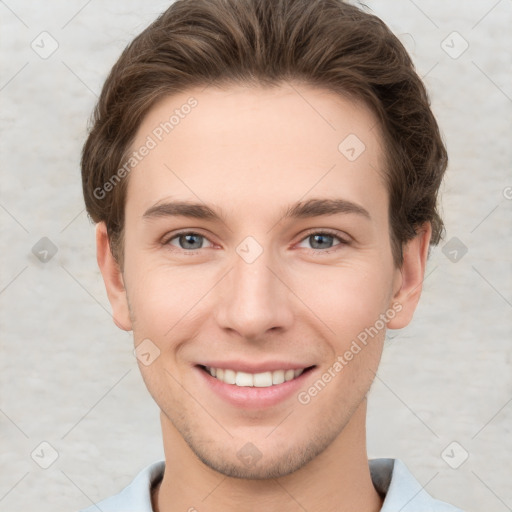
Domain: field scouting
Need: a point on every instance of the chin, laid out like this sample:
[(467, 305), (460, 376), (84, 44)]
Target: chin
[(261, 460)]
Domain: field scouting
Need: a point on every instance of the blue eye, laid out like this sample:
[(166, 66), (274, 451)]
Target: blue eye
[(188, 241), (320, 241)]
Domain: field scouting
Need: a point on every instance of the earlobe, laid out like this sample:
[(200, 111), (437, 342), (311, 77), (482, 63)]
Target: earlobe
[(411, 277), (113, 279)]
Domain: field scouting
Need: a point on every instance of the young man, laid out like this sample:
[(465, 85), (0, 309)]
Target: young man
[(264, 175)]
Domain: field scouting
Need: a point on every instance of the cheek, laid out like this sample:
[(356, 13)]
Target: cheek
[(161, 296), (346, 299)]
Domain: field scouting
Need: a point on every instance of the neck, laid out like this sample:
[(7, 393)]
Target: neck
[(338, 479)]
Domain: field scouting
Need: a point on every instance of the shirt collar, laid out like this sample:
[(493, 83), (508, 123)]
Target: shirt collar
[(390, 477)]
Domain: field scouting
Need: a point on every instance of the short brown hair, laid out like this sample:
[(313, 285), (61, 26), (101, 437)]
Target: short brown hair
[(324, 43)]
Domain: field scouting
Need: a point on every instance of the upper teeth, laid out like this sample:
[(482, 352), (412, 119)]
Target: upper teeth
[(258, 380)]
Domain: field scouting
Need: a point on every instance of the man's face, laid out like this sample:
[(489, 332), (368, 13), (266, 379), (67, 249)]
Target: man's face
[(257, 290)]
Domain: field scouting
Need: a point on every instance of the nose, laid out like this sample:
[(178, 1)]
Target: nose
[(254, 298)]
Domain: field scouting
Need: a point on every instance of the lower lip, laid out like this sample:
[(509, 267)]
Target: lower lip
[(248, 397)]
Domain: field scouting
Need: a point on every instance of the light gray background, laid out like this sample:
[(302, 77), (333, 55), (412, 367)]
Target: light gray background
[(67, 374)]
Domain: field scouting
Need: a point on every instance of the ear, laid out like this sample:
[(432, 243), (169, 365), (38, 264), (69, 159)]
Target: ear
[(113, 279), (409, 279)]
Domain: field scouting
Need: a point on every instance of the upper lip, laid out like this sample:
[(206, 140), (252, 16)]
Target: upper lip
[(252, 367)]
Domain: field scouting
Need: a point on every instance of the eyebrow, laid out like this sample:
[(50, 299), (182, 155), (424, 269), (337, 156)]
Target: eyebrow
[(300, 210)]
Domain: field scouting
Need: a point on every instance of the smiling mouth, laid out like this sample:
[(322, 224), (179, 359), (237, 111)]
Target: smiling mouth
[(257, 380)]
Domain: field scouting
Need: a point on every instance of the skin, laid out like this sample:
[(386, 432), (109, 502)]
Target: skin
[(249, 152)]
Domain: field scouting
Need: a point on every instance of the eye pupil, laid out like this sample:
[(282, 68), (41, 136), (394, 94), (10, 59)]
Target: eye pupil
[(187, 240), (321, 240)]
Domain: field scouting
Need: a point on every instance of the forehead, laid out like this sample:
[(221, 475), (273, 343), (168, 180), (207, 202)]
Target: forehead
[(241, 145)]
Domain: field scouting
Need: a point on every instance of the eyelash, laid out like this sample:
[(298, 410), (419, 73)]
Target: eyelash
[(328, 232)]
